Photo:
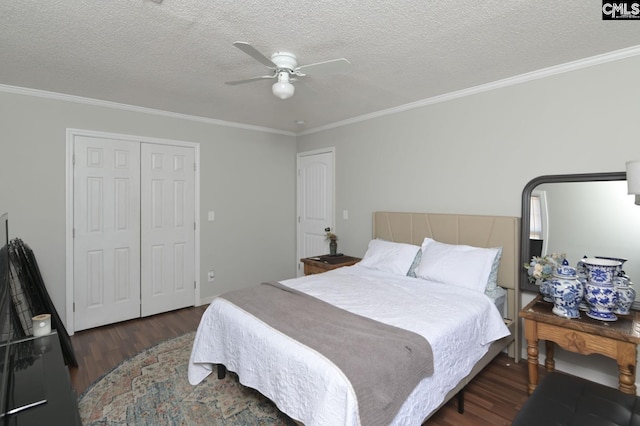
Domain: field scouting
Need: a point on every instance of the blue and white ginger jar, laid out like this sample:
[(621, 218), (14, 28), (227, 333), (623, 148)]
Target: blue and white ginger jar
[(545, 289), (626, 296), (567, 292)]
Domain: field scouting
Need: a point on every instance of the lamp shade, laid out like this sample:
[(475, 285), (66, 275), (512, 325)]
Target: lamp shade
[(283, 89), (633, 176)]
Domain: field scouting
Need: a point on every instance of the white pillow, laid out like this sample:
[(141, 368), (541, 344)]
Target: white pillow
[(388, 256), (459, 265)]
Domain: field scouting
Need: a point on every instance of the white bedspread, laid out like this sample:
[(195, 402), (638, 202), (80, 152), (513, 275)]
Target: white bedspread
[(458, 323)]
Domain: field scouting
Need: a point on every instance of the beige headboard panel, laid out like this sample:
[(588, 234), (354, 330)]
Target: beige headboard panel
[(477, 231)]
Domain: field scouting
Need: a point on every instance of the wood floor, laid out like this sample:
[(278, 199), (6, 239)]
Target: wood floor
[(493, 398), (99, 350)]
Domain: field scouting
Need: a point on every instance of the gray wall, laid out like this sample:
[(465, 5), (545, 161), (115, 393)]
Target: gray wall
[(247, 177), (475, 155)]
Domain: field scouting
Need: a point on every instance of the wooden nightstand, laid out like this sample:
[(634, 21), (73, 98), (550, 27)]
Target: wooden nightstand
[(320, 264), (617, 340)]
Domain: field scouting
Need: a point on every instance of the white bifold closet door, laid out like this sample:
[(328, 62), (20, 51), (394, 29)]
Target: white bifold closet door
[(134, 237), (168, 234), (106, 243)]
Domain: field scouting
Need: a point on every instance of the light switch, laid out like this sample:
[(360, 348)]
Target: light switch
[(345, 214), (211, 216)]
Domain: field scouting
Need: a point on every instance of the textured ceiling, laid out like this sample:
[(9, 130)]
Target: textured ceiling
[(175, 55)]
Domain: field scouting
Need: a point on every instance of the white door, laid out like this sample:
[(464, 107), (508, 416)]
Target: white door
[(168, 228), (315, 190), (106, 246)]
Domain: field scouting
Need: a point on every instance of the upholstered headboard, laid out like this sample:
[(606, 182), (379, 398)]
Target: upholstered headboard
[(473, 230), (477, 231)]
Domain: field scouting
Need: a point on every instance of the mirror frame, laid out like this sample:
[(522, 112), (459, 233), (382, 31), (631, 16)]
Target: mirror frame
[(525, 255)]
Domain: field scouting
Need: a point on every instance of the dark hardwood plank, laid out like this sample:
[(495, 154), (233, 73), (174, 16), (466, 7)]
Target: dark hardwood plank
[(492, 398), (99, 350)]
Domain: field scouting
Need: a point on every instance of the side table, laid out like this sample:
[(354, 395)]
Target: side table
[(320, 264), (615, 339)]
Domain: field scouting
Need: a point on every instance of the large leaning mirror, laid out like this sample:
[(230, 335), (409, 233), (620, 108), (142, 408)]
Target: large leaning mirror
[(581, 214)]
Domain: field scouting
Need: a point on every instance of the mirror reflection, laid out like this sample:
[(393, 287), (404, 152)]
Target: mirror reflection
[(593, 218)]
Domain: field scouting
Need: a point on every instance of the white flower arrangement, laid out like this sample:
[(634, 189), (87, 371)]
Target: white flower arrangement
[(542, 268), (330, 235)]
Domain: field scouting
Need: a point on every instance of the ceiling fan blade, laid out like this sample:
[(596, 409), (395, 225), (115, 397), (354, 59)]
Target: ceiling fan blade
[(326, 67), (254, 53), (305, 86), (249, 80)]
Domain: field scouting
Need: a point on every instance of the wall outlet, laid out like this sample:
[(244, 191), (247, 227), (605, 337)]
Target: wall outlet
[(211, 275)]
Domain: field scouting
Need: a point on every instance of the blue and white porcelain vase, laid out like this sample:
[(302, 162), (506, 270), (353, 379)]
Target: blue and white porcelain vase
[(582, 272), (567, 292), (600, 292), (626, 296), (545, 289), (581, 268), (601, 271), (617, 259)]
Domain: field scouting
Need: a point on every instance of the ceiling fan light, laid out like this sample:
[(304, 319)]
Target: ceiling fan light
[(283, 90)]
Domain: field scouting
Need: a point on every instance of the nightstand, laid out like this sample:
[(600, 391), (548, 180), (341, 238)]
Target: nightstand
[(617, 340), (320, 264)]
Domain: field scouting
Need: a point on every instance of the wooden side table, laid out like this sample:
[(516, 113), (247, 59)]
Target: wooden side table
[(320, 264), (616, 339)]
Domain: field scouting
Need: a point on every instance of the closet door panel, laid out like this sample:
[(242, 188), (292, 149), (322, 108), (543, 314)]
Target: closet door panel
[(168, 238), (106, 231)]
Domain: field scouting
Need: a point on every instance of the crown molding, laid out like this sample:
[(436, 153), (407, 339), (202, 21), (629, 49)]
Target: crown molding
[(134, 108), (510, 81)]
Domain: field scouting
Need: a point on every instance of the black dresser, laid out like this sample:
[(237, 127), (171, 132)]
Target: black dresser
[(41, 388)]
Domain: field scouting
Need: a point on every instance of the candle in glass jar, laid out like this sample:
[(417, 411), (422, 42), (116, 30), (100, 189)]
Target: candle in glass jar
[(41, 325)]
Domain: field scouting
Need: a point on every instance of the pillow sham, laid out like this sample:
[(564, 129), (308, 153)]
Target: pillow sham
[(414, 264), (388, 256), (459, 265), (492, 282)]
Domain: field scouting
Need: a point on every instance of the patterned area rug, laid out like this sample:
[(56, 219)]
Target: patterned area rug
[(152, 389)]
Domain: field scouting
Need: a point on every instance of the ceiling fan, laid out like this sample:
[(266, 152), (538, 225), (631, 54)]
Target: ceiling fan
[(285, 68)]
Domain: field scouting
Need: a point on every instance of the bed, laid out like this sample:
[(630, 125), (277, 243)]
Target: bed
[(311, 389)]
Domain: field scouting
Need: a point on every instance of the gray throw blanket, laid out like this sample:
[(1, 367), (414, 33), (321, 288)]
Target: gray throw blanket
[(383, 363)]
